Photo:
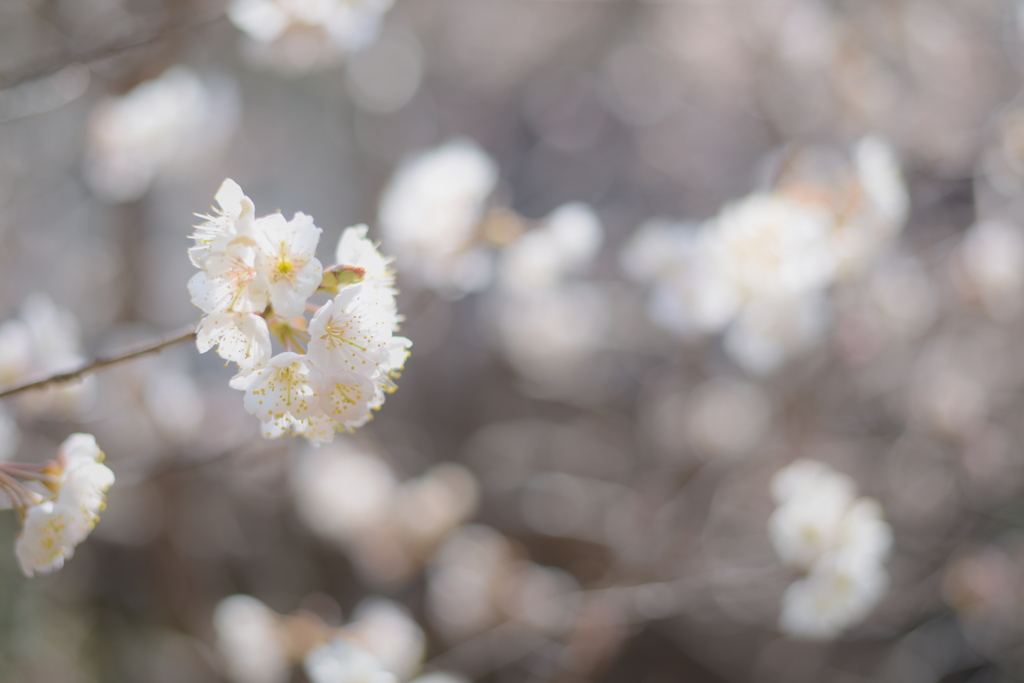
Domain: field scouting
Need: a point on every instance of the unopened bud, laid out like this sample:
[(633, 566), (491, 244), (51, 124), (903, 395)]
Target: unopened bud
[(339, 275)]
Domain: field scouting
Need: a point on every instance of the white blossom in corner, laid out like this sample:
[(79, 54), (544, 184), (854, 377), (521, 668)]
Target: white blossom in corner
[(53, 527)]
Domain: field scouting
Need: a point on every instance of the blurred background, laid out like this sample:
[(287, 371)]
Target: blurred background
[(572, 481)]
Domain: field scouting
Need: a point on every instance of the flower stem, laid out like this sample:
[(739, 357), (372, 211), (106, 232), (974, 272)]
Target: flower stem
[(176, 337)]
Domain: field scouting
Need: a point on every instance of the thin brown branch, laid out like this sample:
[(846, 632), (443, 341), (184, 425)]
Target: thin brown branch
[(136, 39), (154, 346)]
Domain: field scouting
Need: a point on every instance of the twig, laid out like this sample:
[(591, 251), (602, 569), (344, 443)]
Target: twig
[(184, 334), (103, 51)]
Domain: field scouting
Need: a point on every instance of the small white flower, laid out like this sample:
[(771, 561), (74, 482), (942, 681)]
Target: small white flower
[(355, 249), (52, 528), (230, 282), (341, 661), (286, 259), (249, 641), (240, 337), (802, 476), (841, 541), (351, 333), (48, 537), (806, 527), (769, 245), (346, 397), (234, 219), (284, 387), (839, 592)]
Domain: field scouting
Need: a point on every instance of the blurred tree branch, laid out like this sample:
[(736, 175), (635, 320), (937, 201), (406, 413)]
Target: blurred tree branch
[(109, 49), (185, 333)]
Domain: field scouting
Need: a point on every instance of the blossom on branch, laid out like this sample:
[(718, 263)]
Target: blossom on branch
[(54, 526), (255, 281)]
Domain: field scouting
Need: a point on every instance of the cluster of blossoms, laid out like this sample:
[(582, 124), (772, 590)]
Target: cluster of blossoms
[(256, 277), (841, 541), (56, 521), (297, 36), (381, 644), (759, 270)]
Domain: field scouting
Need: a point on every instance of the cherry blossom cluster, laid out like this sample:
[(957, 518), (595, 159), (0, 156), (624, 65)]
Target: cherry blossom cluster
[(60, 512), (841, 541), (255, 280), (758, 272)]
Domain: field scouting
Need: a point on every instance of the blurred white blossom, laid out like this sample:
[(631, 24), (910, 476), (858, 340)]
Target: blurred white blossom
[(389, 528), (389, 632), (250, 641), (762, 268), (430, 214), (170, 123), (840, 540), (297, 36)]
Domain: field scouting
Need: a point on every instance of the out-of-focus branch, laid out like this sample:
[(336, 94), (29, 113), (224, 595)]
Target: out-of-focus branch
[(170, 339), (136, 39)]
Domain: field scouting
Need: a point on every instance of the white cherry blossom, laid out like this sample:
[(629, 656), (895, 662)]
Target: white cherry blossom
[(52, 528), (234, 219), (346, 397), (351, 333), (286, 259), (284, 387), (230, 282), (239, 337), (838, 593)]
